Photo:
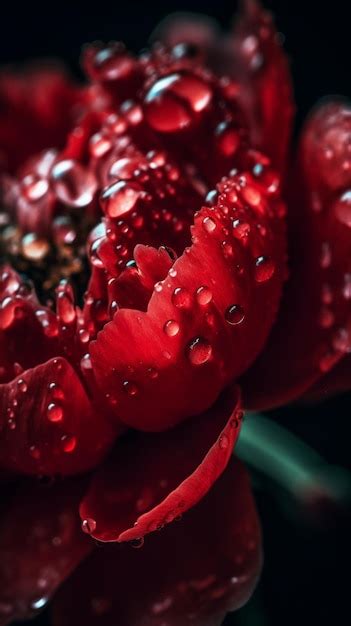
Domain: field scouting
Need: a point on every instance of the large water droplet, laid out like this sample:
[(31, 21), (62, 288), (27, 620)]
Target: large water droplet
[(209, 224), (174, 101), (69, 443), (74, 185), (199, 351), (34, 248), (130, 388), (120, 198), (54, 412)]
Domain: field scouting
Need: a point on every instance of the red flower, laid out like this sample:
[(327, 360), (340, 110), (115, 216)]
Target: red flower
[(157, 193)]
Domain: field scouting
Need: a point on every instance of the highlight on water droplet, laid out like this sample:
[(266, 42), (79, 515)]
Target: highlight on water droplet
[(181, 297), (203, 295), (88, 525), (54, 412)]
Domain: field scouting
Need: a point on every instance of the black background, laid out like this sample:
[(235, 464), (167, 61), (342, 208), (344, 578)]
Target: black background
[(307, 573)]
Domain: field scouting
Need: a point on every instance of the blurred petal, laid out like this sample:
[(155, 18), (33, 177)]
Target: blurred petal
[(263, 72), (40, 545), (207, 320), (38, 107), (193, 572), (152, 479), (48, 424), (313, 331)]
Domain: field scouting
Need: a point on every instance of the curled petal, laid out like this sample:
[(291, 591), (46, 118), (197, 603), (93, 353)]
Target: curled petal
[(153, 479), (48, 424), (202, 567), (206, 321), (40, 545), (313, 331)]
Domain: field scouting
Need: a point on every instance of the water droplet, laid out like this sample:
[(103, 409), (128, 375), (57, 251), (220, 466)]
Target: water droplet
[(39, 603), (209, 224), (85, 362), (137, 543), (181, 298), (130, 388), (88, 525), (241, 229), (34, 248), (326, 317), (203, 295), (74, 185), (84, 335), (223, 441), (342, 208), (171, 328), (234, 314), (22, 385), (120, 198), (152, 373), (173, 101), (342, 341), (199, 351), (54, 412), (34, 452), (264, 269), (69, 443)]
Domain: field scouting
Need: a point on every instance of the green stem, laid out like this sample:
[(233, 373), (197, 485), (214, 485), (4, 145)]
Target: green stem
[(292, 464)]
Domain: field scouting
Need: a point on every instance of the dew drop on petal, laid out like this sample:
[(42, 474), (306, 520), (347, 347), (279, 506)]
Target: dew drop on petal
[(264, 269), (54, 412), (199, 351), (203, 295), (223, 441), (22, 385), (209, 224), (137, 543), (130, 388), (69, 443), (171, 328), (234, 314), (181, 297), (88, 525)]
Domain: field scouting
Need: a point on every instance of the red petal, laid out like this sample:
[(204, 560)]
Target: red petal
[(264, 76), (254, 57), (48, 425), (193, 572), (206, 321), (152, 479), (313, 330), (40, 545), (338, 380), (37, 110)]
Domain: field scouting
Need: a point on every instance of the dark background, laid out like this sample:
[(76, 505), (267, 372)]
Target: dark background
[(307, 566)]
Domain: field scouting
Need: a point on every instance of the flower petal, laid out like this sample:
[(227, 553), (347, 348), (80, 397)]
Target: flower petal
[(193, 572), (48, 424), (313, 331), (252, 54), (207, 320), (264, 76), (38, 107), (152, 479), (40, 545)]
